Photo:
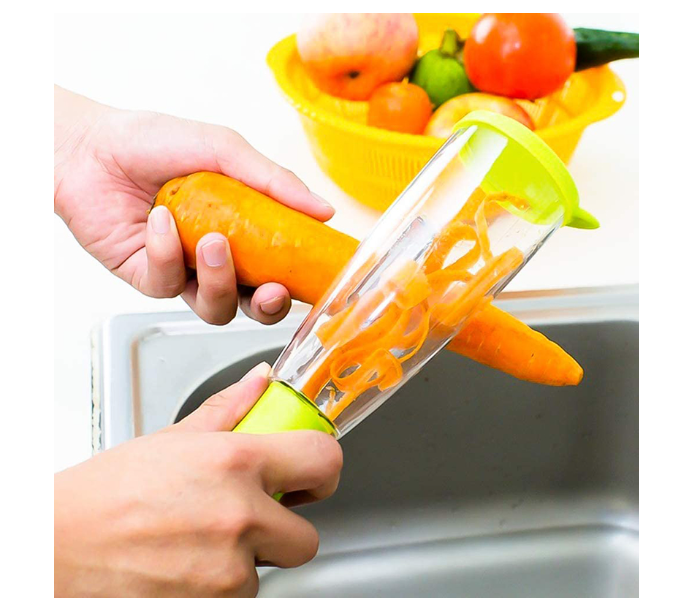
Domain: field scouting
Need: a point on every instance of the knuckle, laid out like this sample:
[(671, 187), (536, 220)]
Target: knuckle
[(330, 451), (223, 571), (335, 457), (287, 177), (218, 317), (172, 289), (214, 405), (237, 522), (244, 457), (281, 178), (232, 136), (220, 292), (217, 400), (283, 173), (239, 578), (159, 288), (165, 261), (310, 546)]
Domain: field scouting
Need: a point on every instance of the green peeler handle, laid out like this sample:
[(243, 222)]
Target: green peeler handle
[(280, 409)]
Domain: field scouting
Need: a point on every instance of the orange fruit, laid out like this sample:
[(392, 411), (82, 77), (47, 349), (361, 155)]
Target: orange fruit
[(403, 107)]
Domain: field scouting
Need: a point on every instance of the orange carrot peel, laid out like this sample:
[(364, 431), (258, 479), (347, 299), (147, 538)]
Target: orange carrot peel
[(366, 343)]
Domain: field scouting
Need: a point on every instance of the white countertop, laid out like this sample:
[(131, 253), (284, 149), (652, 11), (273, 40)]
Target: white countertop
[(213, 69)]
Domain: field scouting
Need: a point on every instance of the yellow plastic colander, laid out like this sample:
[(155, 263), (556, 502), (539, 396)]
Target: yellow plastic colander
[(374, 165)]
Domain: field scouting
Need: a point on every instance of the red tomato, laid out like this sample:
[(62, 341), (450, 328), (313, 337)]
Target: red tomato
[(520, 55)]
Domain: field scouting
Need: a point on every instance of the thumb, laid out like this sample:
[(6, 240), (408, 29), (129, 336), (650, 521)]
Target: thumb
[(223, 411)]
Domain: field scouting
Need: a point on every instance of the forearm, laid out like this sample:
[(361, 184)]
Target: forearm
[(74, 115)]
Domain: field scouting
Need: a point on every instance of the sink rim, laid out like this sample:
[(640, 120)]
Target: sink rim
[(535, 307)]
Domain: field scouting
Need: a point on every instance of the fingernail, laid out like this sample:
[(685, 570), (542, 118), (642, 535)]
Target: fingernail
[(262, 368), (160, 220), (273, 305), (322, 201), (214, 253)]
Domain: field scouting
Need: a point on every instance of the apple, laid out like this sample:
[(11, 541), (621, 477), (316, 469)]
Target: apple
[(349, 55), (446, 117)]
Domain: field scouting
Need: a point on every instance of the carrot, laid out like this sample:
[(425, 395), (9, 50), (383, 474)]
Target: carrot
[(496, 339), (271, 242)]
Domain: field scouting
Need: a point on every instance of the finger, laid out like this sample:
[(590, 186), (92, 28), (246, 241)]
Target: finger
[(165, 271), (268, 304), (238, 159), (241, 579), (223, 411), (299, 460), (213, 296), (283, 538)]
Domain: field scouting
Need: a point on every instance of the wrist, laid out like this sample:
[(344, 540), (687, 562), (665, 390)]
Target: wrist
[(74, 118)]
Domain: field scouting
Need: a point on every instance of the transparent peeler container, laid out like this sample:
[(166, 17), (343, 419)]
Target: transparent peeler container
[(463, 228)]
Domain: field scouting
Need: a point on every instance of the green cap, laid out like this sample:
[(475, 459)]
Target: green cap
[(281, 408), (530, 169)]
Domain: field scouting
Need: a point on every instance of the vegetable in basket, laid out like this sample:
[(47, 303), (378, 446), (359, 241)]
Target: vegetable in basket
[(440, 72), (520, 55), (531, 55), (595, 47)]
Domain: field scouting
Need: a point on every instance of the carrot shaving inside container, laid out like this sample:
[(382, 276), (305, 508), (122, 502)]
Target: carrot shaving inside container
[(482, 233), (453, 234), (488, 276), (413, 335), (349, 324), (409, 283), (466, 213), (366, 343)]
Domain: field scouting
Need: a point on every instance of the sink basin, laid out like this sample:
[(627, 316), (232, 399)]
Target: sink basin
[(466, 483)]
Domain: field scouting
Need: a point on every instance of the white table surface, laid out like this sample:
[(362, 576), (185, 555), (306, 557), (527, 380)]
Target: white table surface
[(212, 68)]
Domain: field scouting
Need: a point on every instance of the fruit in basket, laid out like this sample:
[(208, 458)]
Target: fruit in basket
[(349, 55), (447, 116), (520, 55), (403, 107), (440, 72)]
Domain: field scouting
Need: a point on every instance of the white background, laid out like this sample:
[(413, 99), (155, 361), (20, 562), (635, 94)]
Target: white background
[(212, 68)]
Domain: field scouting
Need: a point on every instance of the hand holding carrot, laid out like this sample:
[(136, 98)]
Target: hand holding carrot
[(108, 166)]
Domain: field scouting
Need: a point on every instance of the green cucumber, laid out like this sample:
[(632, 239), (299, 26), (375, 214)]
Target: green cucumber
[(595, 47)]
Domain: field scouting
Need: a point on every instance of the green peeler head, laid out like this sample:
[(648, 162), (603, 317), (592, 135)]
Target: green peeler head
[(528, 168)]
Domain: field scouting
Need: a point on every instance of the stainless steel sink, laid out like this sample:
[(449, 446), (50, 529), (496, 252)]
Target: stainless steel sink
[(466, 483)]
